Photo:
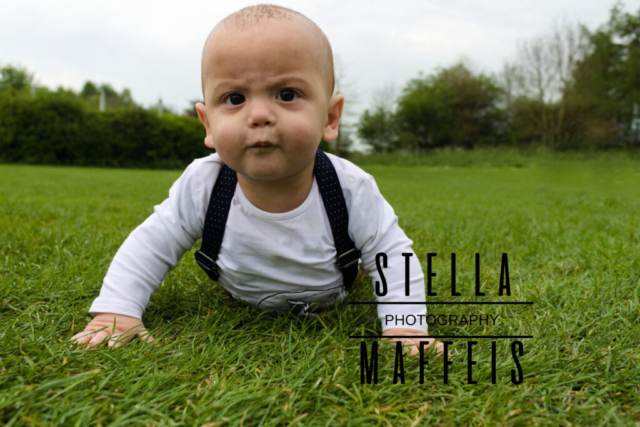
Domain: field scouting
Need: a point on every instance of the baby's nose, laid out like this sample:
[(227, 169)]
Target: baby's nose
[(261, 114)]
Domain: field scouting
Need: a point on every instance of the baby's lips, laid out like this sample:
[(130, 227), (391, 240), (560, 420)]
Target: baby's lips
[(262, 144)]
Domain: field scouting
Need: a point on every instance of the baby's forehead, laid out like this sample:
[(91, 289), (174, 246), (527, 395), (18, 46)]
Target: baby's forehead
[(297, 25), (252, 16)]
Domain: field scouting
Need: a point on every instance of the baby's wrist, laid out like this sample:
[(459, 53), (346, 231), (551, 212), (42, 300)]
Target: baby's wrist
[(121, 316), (404, 332)]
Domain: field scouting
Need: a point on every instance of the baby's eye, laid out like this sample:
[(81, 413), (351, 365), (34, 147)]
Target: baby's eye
[(235, 99), (287, 95)]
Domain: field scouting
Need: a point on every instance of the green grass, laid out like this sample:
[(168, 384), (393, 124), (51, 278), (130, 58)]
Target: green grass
[(501, 156), (570, 227)]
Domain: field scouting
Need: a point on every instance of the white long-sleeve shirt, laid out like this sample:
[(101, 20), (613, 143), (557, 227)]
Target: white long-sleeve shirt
[(265, 253)]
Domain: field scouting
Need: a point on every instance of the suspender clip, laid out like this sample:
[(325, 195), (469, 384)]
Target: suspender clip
[(208, 265), (346, 263)]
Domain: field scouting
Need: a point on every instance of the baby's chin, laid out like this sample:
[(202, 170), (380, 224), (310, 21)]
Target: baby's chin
[(274, 167), (263, 174), (266, 175)]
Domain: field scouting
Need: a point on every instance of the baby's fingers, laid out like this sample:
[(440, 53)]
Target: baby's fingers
[(91, 338), (430, 349), (408, 346), (83, 337), (412, 345), (145, 336), (119, 340)]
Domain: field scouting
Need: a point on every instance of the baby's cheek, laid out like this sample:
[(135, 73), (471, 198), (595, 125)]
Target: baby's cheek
[(225, 138), (305, 131)]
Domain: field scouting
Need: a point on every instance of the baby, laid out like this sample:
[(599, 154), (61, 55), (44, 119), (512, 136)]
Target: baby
[(267, 82)]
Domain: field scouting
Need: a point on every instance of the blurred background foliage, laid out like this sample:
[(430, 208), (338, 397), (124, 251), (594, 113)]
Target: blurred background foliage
[(571, 89)]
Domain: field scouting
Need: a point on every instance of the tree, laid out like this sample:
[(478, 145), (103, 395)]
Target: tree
[(452, 107), (14, 77), (89, 90), (607, 81), (90, 93), (377, 128), (539, 78)]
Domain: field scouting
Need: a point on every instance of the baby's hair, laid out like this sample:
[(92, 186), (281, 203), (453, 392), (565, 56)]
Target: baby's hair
[(252, 15)]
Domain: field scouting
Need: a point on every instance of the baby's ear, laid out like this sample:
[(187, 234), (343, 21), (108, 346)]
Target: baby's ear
[(333, 119), (202, 115)]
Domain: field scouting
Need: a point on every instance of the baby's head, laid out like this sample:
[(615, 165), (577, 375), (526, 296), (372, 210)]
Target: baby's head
[(267, 82)]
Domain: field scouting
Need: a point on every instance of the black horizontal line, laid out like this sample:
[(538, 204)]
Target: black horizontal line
[(441, 336), (441, 303)]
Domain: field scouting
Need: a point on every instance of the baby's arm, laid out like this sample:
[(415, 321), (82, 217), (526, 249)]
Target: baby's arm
[(142, 262), (375, 221)]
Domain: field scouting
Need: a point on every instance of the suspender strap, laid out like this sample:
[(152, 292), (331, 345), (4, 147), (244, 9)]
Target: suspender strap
[(334, 203), (336, 207), (216, 220)]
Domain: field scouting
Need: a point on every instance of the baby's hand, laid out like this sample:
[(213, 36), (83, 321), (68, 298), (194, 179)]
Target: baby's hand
[(413, 343), (102, 328)]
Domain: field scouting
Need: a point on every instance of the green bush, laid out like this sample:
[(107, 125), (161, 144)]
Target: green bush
[(58, 128)]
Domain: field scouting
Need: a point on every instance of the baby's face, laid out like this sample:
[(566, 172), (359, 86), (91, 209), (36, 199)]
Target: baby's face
[(267, 102)]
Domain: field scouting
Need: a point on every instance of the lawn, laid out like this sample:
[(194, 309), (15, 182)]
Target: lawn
[(570, 228)]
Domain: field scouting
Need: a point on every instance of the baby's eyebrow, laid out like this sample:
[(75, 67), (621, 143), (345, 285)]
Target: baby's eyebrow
[(279, 81), (286, 80)]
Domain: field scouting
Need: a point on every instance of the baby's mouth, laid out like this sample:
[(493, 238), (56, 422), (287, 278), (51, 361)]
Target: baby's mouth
[(262, 144)]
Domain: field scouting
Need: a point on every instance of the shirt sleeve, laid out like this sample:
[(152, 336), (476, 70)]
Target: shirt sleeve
[(375, 229), (151, 251)]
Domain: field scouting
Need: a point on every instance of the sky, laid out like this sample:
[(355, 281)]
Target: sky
[(154, 47)]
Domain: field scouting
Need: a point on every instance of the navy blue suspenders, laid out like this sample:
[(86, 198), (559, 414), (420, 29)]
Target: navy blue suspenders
[(334, 204)]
